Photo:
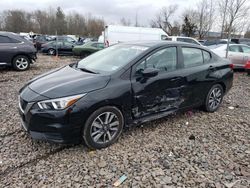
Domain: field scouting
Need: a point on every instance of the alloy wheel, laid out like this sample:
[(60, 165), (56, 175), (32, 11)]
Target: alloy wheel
[(104, 128), (51, 52), (215, 98), (22, 63)]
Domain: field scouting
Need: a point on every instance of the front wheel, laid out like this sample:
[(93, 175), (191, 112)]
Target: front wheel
[(21, 63), (103, 127), (214, 98)]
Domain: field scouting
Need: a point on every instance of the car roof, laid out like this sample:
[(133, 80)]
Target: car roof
[(12, 35)]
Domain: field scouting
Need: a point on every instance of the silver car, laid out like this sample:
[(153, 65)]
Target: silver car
[(238, 54)]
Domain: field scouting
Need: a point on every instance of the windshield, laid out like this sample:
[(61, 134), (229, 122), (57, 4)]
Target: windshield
[(111, 59)]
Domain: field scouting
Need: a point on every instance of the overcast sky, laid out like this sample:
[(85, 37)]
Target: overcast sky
[(110, 10)]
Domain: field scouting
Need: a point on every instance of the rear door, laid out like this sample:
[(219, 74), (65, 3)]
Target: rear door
[(236, 56), (199, 71), (161, 93), (246, 51), (67, 47)]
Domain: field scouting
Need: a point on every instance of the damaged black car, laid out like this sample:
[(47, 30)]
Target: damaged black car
[(123, 85)]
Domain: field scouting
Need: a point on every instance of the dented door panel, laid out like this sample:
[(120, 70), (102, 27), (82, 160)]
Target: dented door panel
[(159, 94)]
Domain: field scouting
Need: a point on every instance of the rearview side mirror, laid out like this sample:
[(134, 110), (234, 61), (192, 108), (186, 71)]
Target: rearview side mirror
[(150, 72)]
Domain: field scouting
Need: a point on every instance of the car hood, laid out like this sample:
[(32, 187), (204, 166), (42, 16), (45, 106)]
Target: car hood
[(68, 81)]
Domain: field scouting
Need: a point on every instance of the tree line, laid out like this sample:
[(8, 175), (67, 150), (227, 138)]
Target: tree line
[(228, 16), (51, 22)]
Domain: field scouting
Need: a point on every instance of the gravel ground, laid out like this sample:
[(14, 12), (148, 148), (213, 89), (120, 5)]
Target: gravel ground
[(192, 149)]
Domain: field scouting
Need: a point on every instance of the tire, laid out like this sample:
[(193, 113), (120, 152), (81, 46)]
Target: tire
[(51, 51), (214, 98), (21, 63), (97, 133)]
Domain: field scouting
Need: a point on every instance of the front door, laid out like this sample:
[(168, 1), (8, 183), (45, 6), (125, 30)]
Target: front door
[(161, 93)]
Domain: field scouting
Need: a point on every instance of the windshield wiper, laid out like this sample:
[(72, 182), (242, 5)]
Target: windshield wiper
[(87, 70)]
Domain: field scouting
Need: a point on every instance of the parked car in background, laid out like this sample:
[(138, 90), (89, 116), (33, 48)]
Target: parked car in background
[(57, 47), (184, 39), (238, 54), (201, 41), (241, 41), (114, 34), (122, 85), (216, 42), (247, 67), (65, 39), (87, 49), (16, 51), (41, 39)]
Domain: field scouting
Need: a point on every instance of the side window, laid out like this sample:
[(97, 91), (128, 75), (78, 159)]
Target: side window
[(180, 39), (69, 44), (206, 56), (14, 41), (100, 45), (234, 49), (192, 57), (4, 39), (245, 49), (165, 60), (164, 37)]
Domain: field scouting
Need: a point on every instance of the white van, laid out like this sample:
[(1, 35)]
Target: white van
[(114, 34)]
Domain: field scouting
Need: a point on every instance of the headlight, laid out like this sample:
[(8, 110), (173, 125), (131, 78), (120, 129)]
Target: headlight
[(59, 103)]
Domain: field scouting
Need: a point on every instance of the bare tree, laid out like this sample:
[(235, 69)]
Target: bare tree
[(205, 15), (163, 18), (223, 4), (236, 10), (125, 22)]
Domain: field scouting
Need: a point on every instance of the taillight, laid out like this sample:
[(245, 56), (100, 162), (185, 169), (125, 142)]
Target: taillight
[(247, 65), (231, 66)]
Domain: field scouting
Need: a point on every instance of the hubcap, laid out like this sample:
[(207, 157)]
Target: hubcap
[(215, 98), (104, 128), (22, 63), (51, 52)]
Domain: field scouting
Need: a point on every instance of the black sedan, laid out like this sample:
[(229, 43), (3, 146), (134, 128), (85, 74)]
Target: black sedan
[(57, 47), (123, 85)]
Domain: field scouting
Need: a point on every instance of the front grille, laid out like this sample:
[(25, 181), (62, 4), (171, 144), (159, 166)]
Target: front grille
[(23, 104)]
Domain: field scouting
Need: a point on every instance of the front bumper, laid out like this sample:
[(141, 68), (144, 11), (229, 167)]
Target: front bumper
[(54, 126), (50, 128), (33, 57)]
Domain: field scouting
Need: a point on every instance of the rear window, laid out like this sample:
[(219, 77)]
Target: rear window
[(4, 39), (234, 49), (192, 57), (206, 56)]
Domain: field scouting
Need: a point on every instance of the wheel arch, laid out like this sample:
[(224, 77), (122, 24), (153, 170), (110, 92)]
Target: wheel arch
[(101, 104), (20, 54)]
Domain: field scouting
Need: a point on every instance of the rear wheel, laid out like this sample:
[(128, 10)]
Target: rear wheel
[(21, 63), (51, 52), (103, 127), (214, 98)]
